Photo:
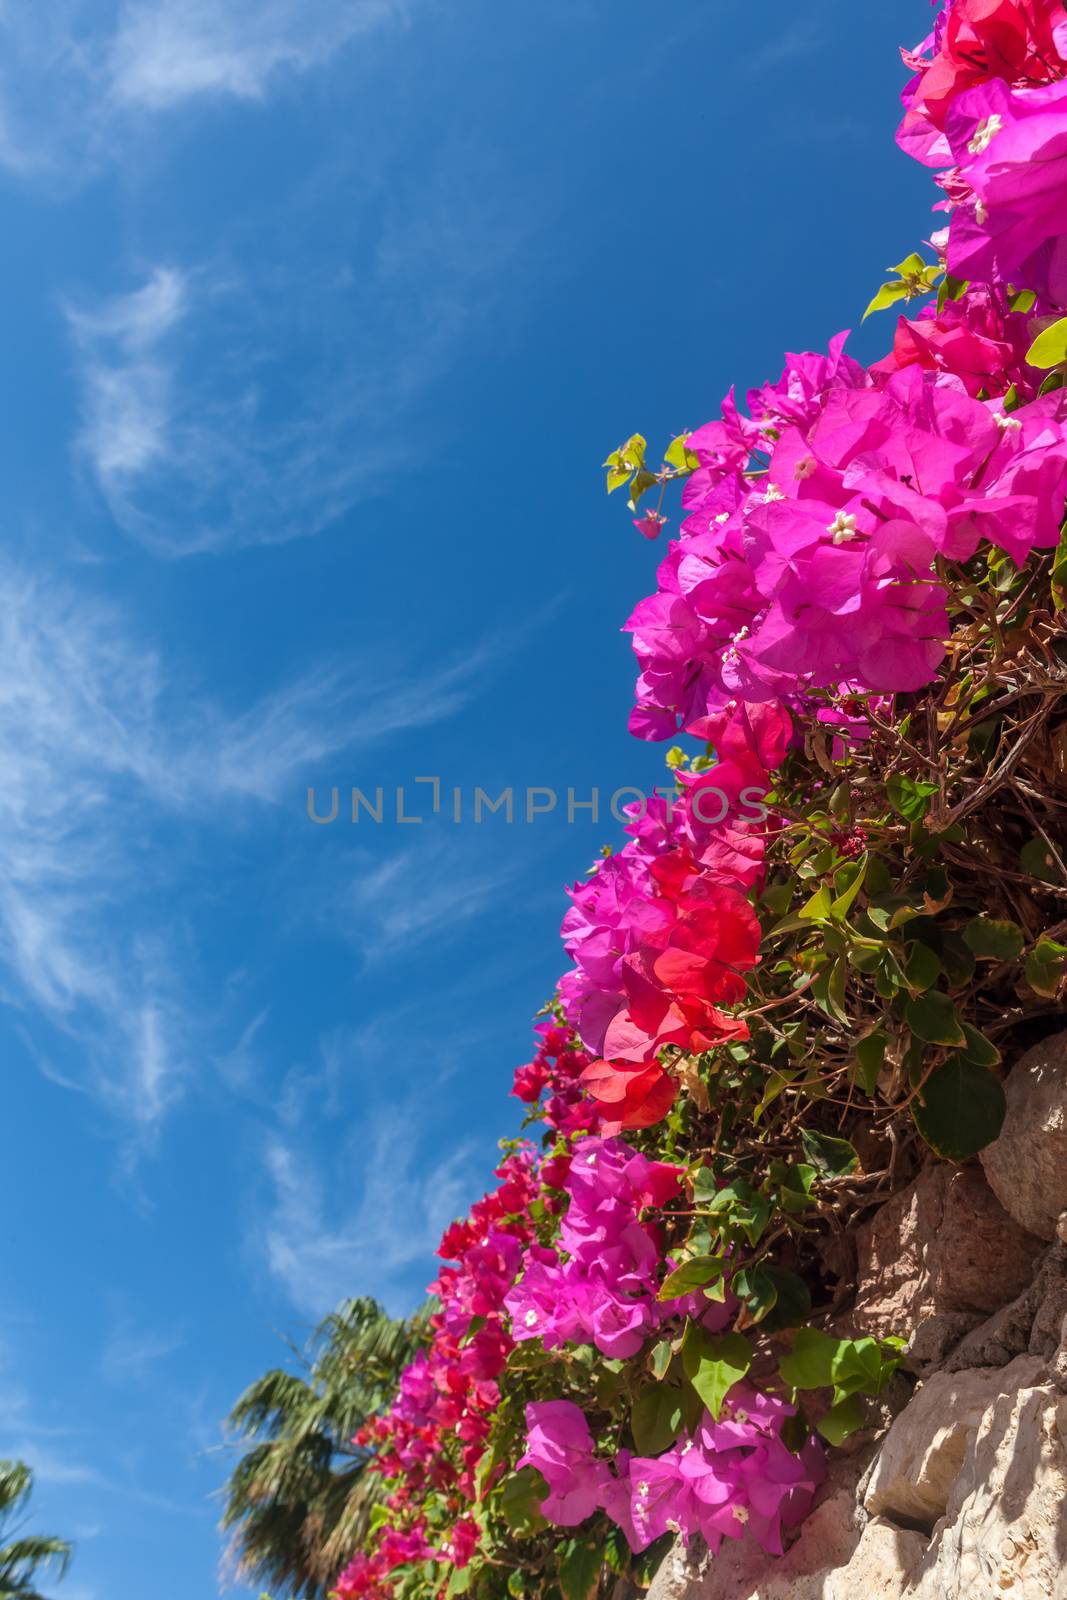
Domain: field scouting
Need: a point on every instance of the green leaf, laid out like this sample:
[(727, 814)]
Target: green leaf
[(855, 1365), (521, 1497), (870, 1056), (660, 1359), (713, 1363), (851, 877), (741, 1207), (625, 461), (831, 1156), (794, 1185), (932, 1018), (679, 457), (817, 909), (793, 1303), (828, 990), (808, 1364), (642, 482), (691, 1275), (887, 295), (909, 798), (579, 1570), (994, 941), (755, 1287), (1059, 573), (961, 1109), (978, 1049), (951, 289), (656, 1419), (1037, 859), (1024, 300), (922, 968), (460, 1581), (1046, 967), (910, 267), (957, 960), (1049, 349), (843, 1418)]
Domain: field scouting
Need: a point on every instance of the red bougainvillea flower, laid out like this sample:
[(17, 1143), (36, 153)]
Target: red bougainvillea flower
[(629, 1095), (1022, 42)]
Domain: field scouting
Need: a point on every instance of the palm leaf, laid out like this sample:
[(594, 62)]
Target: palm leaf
[(298, 1500)]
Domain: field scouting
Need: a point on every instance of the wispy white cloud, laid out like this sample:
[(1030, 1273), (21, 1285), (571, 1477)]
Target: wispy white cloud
[(102, 750), (127, 378), (410, 895), (78, 79), (229, 405), (49, 1449), (165, 52), (319, 1243), (131, 1352)]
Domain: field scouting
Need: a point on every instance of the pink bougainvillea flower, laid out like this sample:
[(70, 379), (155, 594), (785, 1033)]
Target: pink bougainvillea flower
[(650, 525), (560, 1446), (1010, 147)]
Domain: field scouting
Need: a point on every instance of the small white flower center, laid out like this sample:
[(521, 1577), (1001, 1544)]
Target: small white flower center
[(772, 493), (985, 133), (1006, 424), (530, 1319), (843, 527), (741, 1513), (980, 212)]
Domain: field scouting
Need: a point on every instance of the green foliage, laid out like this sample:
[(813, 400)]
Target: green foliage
[(1049, 349), (26, 1557), (713, 1363), (914, 279), (960, 1109), (299, 1500)]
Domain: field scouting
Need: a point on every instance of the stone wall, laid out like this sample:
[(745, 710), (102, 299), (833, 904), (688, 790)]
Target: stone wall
[(962, 1494)]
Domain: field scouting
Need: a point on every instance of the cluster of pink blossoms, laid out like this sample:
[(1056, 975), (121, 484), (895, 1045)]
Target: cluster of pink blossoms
[(816, 569), (662, 933), (602, 1289), (732, 1472), (448, 1395), (728, 1476), (988, 104)]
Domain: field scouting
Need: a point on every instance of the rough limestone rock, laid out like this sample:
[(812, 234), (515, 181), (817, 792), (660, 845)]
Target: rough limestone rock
[(1031, 1323), (923, 1453), (942, 1247), (1005, 1527), (1027, 1165)]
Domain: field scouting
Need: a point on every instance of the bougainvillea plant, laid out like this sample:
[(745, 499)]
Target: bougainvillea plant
[(803, 971)]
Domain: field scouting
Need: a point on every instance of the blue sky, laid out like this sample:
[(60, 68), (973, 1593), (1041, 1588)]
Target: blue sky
[(320, 316)]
